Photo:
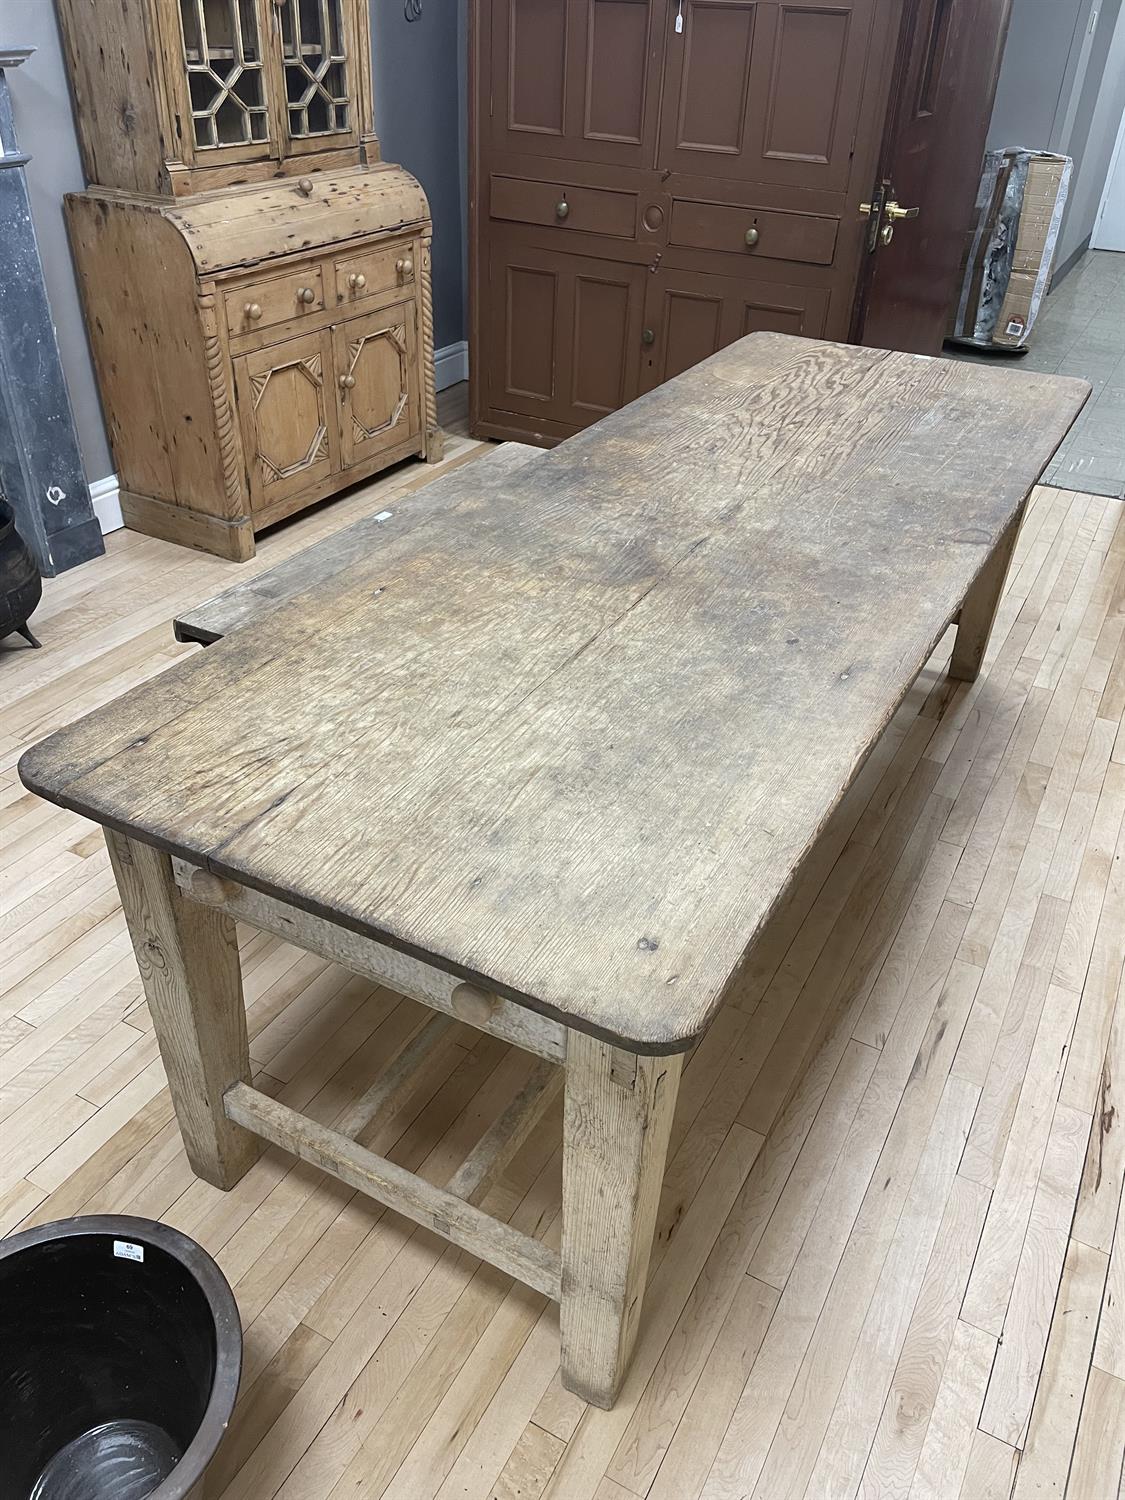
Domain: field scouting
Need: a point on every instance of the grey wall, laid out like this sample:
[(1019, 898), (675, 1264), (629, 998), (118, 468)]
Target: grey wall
[(46, 131), (1094, 134), (1056, 93), (420, 122)]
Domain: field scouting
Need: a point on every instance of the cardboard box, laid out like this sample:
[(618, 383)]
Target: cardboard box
[(1019, 211)]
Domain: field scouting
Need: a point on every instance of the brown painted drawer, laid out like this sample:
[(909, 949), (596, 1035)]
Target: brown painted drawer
[(254, 305), (369, 273), (588, 210), (780, 235)]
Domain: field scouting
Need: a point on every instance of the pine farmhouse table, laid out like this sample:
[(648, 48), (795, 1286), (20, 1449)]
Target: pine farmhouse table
[(545, 753)]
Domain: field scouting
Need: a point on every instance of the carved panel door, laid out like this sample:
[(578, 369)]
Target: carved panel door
[(289, 430), (766, 90), (576, 78), (376, 371)]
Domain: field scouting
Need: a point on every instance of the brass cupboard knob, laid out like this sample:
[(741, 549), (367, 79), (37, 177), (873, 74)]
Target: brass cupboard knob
[(305, 186), (562, 209), (405, 266), (253, 311), (752, 237), (357, 281), (347, 382), (306, 295)]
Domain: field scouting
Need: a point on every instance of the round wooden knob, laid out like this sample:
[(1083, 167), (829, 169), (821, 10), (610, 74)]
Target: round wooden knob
[(474, 1005), (405, 266), (357, 281), (347, 382), (210, 890), (253, 311), (306, 295), (305, 184), (752, 238)]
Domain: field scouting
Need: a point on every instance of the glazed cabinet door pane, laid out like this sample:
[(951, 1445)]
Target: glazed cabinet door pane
[(319, 67), (576, 78), (693, 315), (227, 76), (288, 416), (766, 90), (563, 333), (375, 365)]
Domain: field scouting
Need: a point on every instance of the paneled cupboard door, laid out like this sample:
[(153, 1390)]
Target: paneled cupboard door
[(289, 428), (564, 335), (376, 371), (765, 90), (577, 78), (692, 315)]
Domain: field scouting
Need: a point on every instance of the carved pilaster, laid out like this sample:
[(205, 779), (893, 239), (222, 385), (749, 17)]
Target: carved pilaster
[(434, 440), (229, 446)]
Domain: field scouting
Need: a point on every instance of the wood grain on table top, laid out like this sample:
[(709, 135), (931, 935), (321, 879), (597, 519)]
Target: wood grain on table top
[(571, 732)]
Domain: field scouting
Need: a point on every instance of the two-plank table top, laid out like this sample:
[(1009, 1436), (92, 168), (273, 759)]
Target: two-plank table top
[(570, 732)]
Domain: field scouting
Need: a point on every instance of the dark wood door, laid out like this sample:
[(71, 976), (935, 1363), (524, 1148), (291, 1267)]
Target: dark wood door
[(563, 339), (949, 60), (765, 90), (691, 315), (578, 80)]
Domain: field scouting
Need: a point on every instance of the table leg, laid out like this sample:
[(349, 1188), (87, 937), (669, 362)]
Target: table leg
[(188, 958), (974, 624), (618, 1114)]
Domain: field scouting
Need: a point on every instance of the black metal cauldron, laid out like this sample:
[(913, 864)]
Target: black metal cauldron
[(21, 587)]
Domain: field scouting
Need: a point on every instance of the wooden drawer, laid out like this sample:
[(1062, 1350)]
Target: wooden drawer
[(254, 305), (370, 273), (781, 236), (587, 210)]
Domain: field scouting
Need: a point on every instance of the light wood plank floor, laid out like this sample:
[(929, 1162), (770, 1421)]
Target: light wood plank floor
[(891, 1256)]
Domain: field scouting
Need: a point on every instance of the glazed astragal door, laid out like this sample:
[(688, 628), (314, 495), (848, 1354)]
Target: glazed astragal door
[(317, 73), (765, 91), (228, 80), (577, 78)]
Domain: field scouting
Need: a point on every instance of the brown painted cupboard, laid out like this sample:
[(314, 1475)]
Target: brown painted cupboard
[(651, 179)]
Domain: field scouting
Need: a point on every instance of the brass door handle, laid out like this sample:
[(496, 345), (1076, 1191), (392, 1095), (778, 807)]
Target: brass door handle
[(306, 295), (894, 211), (405, 266), (648, 337), (562, 209), (357, 281), (752, 237), (253, 311), (347, 382)]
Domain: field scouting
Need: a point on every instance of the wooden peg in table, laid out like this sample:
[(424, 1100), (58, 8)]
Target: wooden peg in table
[(474, 1005), (211, 890)]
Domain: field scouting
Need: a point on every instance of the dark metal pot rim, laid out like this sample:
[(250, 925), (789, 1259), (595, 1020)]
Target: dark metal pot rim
[(224, 1313)]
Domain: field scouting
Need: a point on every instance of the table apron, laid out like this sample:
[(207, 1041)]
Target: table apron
[(376, 961)]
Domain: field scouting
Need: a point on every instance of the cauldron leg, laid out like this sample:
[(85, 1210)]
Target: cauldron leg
[(25, 631)]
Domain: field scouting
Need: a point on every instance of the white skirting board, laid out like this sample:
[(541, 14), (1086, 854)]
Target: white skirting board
[(451, 366), (107, 506)]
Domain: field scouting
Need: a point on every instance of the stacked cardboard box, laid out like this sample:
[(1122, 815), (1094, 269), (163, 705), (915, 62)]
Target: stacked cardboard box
[(1019, 210)]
